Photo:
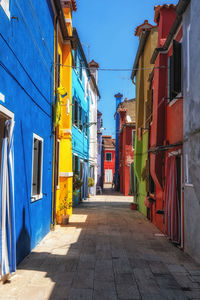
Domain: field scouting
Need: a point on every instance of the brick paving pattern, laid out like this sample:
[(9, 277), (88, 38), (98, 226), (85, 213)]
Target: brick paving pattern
[(107, 252)]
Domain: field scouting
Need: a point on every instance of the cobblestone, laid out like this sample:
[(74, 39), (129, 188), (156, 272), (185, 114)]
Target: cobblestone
[(106, 252)]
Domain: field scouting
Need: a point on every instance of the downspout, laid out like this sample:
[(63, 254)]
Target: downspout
[(56, 127)]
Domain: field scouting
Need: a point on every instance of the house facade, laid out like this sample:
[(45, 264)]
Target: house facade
[(127, 115), (80, 118), (94, 97), (166, 152), (191, 123), (63, 173), (118, 99), (26, 126), (99, 151), (109, 158), (141, 70)]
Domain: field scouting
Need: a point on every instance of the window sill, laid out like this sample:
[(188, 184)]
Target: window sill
[(36, 197), (189, 185), (177, 98)]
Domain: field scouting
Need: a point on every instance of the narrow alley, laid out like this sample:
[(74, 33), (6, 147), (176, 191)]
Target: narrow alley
[(107, 251)]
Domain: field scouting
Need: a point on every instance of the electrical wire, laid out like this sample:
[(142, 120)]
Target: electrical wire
[(114, 69)]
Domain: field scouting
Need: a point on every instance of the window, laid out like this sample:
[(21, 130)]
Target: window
[(174, 75), (58, 163), (80, 125), (74, 59), (58, 69), (188, 58), (37, 166), (86, 125), (133, 139), (80, 70), (75, 164), (108, 156), (5, 5), (75, 112)]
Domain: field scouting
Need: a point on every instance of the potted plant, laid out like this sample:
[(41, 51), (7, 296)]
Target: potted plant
[(62, 215), (90, 184), (77, 183)]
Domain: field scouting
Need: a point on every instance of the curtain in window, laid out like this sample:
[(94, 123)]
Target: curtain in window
[(7, 209), (172, 201), (85, 181)]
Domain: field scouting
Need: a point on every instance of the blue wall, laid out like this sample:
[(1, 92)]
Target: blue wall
[(80, 142), (118, 101), (26, 80)]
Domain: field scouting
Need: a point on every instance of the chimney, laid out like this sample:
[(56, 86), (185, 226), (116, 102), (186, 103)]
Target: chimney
[(93, 65), (118, 99)]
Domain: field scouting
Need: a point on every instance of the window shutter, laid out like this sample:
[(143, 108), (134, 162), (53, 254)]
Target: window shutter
[(171, 78), (177, 49)]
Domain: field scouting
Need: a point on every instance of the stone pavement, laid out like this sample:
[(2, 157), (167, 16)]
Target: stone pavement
[(107, 252)]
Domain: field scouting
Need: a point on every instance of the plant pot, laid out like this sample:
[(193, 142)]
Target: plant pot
[(58, 218), (65, 220), (133, 206)]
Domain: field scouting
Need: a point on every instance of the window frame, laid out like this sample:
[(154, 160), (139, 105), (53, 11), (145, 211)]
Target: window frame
[(58, 164), (5, 4), (106, 156), (80, 69), (133, 146), (40, 195)]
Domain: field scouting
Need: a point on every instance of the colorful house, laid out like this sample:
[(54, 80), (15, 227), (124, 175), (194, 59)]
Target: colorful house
[(94, 97), (26, 100), (80, 118), (141, 70), (166, 128), (109, 158), (63, 173), (99, 152), (191, 124), (118, 99), (127, 116)]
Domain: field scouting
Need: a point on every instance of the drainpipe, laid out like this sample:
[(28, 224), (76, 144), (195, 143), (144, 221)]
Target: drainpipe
[(56, 127)]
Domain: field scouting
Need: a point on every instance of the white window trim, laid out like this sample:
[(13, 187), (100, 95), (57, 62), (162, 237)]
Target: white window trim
[(5, 7), (39, 196), (188, 58)]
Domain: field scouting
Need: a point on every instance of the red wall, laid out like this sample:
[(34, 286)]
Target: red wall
[(167, 119), (109, 164), (126, 154)]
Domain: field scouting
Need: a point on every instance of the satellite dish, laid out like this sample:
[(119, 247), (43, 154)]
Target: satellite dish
[(128, 118)]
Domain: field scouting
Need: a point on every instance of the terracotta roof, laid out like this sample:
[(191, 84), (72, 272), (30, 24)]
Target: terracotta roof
[(108, 142), (157, 9), (69, 3), (130, 107), (146, 26), (74, 5), (93, 64)]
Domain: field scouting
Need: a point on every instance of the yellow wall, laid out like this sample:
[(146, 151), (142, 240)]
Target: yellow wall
[(64, 190)]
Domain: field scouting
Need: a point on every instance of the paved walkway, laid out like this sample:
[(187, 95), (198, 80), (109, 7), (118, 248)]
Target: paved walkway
[(106, 252)]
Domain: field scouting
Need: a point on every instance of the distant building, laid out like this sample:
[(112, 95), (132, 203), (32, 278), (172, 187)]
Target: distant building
[(99, 151), (109, 158), (127, 115), (118, 99), (94, 97)]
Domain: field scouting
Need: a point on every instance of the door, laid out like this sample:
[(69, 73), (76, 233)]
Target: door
[(108, 176), (7, 210)]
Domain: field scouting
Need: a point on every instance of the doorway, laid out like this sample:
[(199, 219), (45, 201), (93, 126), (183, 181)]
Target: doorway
[(108, 176), (7, 211)]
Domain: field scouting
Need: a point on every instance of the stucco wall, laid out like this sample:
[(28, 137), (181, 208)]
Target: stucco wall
[(191, 108), (26, 80)]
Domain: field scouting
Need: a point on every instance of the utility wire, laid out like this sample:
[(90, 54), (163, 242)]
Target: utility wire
[(114, 69)]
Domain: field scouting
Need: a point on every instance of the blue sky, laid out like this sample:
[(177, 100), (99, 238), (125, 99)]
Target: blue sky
[(107, 27)]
